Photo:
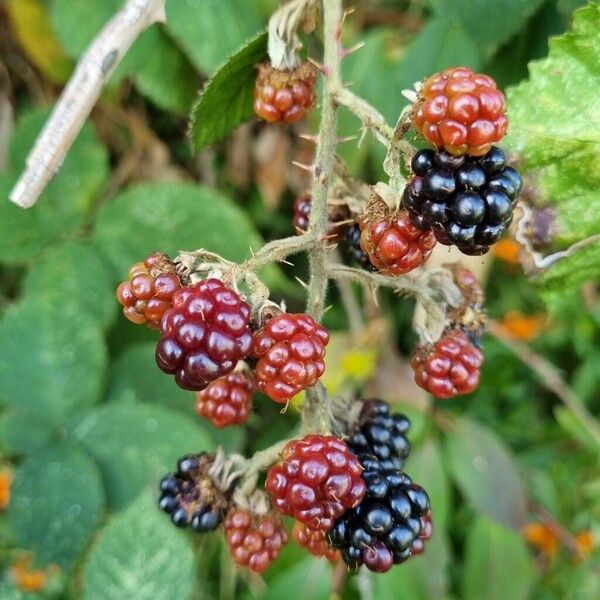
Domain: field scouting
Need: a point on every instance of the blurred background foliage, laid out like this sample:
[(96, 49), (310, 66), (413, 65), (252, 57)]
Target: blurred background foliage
[(88, 424)]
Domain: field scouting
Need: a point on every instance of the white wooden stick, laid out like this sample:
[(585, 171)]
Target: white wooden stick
[(79, 96)]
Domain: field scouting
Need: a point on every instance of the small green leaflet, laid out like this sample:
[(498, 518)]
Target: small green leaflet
[(226, 99)]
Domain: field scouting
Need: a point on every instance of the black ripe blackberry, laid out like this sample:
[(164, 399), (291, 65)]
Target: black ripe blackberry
[(355, 252), (190, 497), (382, 530), (467, 201), (382, 434)]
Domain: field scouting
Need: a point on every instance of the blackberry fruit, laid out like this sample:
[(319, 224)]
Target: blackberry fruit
[(290, 349), (147, 294), (467, 202), (227, 400), (357, 254), (317, 479), (461, 111), (382, 434), (393, 244), (254, 540), (284, 96), (314, 541), (382, 529), (418, 546), (204, 335), (190, 496), (449, 367), (338, 216)]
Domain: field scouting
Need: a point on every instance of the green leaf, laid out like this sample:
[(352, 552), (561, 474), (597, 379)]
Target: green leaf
[(172, 217), (416, 578), (62, 208), (54, 357), (486, 473), (135, 444), (487, 24), (56, 503), (226, 99), (210, 30), (24, 431), (7, 592), (574, 427), (75, 271), (497, 564), (140, 555)]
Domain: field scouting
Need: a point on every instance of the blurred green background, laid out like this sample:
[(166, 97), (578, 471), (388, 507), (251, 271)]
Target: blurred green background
[(88, 423)]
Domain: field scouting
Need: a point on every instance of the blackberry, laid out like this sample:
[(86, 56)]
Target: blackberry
[(191, 497), (467, 201), (382, 434), (338, 217), (356, 253), (382, 529)]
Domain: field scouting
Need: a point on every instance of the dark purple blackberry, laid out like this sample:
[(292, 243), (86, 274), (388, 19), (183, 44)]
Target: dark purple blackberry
[(467, 201), (355, 252), (381, 531), (190, 496), (382, 434)]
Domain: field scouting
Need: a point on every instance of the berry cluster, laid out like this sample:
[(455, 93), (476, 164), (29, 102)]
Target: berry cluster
[(290, 349), (255, 541), (393, 244), (382, 434), (204, 335), (356, 253), (284, 96), (382, 529), (449, 367), (461, 111), (317, 480), (466, 201), (190, 497), (227, 400), (338, 217), (147, 294), (314, 540)]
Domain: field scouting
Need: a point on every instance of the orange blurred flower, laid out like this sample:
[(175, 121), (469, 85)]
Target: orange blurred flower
[(540, 536), (586, 542), (5, 482), (507, 251), (523, 327), (27, 579)]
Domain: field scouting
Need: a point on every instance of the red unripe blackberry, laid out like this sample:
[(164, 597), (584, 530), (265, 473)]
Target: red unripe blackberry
[(255, 541), (284, 96), (461, 111), (204, 335), (314, 541), (227, 400), (392, 243), (317, 480), (338, 216), (147, 293), (449, 367), (290, 349), (418, 546)]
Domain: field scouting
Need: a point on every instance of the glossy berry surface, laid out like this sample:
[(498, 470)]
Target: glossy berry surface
[(356, 254), (290, 349), (317, 479), (381, 433), (418, 546), (393, 244), (338, 216), (461, 111), (204, 335), (448, 368), (190, 497), (382, 529), (147, 293), (314, 541), (227, 400), (254, 541), (284, 96), (467, 202)]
